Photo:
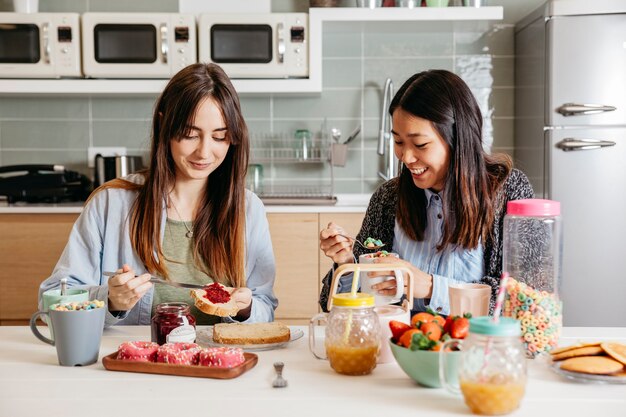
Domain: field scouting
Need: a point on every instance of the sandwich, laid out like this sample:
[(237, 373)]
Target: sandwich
[(215, 299)]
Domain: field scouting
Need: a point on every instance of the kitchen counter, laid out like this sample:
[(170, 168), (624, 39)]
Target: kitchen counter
[(346, 203), (32, 383)]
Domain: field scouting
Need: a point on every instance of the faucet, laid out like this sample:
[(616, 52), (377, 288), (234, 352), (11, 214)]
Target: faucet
[(384, 135)]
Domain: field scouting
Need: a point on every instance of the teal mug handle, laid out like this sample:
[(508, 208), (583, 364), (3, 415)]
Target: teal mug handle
[(443, 366), (35, 330)]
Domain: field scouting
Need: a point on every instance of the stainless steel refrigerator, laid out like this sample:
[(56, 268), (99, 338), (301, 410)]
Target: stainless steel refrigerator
[(570, 139)]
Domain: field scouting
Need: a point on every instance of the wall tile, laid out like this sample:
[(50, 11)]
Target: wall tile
[(152, 6), (485, 71), (401, 39), (256, 107), (131, 134), (329, 104), (57, 6), (341, 44), (344, 73), (498, 41), (122, 108), (35, 134), (44, 108)]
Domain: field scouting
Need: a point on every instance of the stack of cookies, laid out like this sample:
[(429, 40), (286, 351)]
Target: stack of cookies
[(598, 358)]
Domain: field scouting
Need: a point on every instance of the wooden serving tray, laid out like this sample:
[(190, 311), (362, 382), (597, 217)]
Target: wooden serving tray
[(111, 363)]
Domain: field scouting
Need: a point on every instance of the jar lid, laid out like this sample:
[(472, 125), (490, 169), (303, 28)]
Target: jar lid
[(506, 326), (533, 207), (357, 300)]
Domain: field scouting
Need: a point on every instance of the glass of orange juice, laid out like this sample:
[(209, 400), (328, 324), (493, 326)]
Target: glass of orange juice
[(492, 370)]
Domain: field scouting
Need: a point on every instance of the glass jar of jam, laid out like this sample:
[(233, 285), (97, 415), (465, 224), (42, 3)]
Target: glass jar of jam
[(173, 322)]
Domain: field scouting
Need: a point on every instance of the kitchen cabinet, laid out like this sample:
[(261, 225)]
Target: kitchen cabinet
[(297, 273), (29, 248), (31, 244)]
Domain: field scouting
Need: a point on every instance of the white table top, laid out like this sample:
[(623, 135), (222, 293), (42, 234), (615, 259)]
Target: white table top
[(32, 384)]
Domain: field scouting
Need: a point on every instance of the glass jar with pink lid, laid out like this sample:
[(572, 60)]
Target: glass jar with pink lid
[(532, 247)]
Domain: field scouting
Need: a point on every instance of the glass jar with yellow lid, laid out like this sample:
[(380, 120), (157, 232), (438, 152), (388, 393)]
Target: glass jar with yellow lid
[(352, 335)]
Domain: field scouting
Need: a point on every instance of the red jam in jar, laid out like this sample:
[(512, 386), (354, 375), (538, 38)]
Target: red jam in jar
[(171, 316)]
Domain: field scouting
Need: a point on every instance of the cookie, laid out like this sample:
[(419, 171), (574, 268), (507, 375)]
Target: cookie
[(600, 365), (574, 353), (615, 350), (576, 346)]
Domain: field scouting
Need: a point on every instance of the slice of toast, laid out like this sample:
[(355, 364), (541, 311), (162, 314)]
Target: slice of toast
[(221, 309), (250, 333)]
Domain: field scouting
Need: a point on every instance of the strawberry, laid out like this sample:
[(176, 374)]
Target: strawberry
[(460, 327), (448, 323), (397, 329), (421, 342), (418, 319), (406, 339), (432, 330)]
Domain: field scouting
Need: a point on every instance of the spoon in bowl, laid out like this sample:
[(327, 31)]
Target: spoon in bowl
[(367, 245)]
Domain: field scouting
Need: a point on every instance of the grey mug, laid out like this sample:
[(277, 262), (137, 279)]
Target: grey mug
[(77, 334)]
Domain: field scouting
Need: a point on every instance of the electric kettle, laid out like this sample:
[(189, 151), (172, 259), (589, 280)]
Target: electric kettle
[(111, 167)]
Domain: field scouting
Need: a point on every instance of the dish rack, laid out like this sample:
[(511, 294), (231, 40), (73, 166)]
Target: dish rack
[(273, 150)]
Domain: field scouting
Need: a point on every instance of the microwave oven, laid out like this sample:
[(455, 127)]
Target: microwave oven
[(39, 45), (137, 45), (256, 45)]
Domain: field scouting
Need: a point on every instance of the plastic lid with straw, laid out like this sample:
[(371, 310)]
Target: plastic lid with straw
[(353, 298)]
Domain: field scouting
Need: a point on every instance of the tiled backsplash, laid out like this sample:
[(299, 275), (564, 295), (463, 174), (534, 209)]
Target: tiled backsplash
[(356, 60)]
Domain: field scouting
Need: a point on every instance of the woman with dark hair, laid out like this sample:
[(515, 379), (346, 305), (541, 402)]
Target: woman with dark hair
[(187, 218), (443, 215)]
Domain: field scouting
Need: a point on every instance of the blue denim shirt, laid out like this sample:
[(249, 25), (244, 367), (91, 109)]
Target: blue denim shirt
[(100, 241), (451, 265)]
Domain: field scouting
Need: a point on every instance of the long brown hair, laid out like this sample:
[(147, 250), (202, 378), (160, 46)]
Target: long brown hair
[(473, 175), (219, 226)]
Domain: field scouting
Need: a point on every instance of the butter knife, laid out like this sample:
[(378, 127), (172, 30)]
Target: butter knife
[(156, 280)]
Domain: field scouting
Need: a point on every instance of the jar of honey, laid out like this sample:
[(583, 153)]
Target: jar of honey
[(492, 369), (173, 322), (352, 335)]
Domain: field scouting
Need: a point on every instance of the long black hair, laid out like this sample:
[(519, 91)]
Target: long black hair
[(473, 176)]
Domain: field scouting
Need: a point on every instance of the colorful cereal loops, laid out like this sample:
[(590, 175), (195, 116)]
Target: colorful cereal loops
[(540, 315), (84, 305)]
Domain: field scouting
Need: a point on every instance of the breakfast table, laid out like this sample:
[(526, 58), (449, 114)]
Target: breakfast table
[(33, 384)]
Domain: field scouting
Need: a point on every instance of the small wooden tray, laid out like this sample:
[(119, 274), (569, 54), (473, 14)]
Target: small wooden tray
[(111, 363)]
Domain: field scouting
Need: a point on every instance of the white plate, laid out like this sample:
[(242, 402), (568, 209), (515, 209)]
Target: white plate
[(587, 378), (205, 338)]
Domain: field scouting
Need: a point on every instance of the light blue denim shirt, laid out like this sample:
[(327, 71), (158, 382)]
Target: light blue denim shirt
[(451, 265), (100, 241)]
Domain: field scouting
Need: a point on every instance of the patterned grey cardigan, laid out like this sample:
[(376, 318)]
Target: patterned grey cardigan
[(380, 219)]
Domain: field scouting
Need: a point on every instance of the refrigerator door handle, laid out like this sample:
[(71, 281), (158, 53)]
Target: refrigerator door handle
[(573, 144), (574, 109)]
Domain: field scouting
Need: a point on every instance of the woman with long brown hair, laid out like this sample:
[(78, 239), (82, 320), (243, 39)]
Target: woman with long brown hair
[(187, 218), (443, 215)]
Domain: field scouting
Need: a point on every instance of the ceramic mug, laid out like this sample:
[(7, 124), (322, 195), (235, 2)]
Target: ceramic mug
[(51, 297), (367, 282), (77, 334), (385, 315), (469, 298)]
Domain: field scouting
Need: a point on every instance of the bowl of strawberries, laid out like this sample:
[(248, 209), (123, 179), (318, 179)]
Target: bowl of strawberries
[(417, 346)]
